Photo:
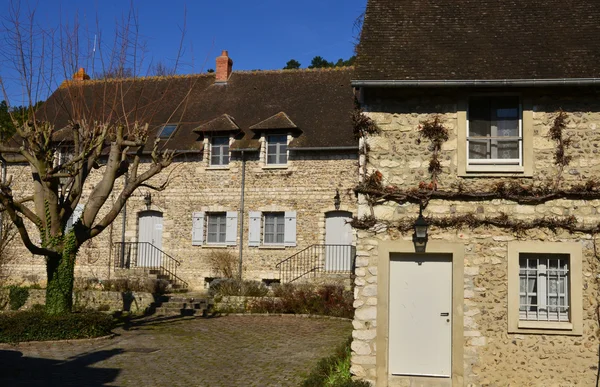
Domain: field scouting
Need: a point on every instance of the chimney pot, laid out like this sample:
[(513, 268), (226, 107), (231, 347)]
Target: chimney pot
[(224, 67), (80, 75)]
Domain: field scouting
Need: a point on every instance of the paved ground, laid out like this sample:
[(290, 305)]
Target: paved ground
[(221, 351)]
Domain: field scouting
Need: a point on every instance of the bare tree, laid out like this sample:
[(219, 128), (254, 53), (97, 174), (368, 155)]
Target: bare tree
[(104, 127)]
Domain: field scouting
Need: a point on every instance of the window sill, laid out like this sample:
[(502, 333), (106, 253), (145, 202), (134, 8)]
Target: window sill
[(217, 168), (276, 166), (215, 246), (495, 171), (546, 328), (272, 247)]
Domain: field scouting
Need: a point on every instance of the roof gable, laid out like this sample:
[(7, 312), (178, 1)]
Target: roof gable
[(277, 121), (479, 40), (223, 123)]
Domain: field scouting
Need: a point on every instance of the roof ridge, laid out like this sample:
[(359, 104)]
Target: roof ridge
[(70, 82)]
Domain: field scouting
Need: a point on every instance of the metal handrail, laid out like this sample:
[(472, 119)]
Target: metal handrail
[(146, 255), (316, 259), (293, 256)]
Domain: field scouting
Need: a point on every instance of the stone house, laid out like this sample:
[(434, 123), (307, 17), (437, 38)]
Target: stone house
[(264, 167), (488, 115)]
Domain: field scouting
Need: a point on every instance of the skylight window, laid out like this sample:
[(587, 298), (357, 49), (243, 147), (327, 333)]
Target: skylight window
[(167, 131)]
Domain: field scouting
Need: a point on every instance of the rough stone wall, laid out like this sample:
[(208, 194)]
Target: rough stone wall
[(492, 356), (308, 186), (135, 302)]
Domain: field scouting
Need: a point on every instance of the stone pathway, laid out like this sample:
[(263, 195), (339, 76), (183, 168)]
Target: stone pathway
[(220, 351)]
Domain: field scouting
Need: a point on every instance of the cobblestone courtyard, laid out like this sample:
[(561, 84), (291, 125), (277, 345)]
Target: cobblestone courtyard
[(220, 351)]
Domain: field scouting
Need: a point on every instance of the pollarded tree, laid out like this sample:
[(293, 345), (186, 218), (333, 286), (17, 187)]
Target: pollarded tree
[(101, 126)]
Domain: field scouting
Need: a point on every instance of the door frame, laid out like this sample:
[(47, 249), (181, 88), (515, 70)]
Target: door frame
[(349, 250), (457, 252), (140, 215)]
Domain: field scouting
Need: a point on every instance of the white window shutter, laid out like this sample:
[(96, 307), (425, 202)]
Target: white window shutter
[(74, 217), (290, 228), (197, 228), (254, 228), (231, 228)]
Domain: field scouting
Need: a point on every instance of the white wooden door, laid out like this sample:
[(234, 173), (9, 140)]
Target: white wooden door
[(338, 237), (420, 315), (150, 236)]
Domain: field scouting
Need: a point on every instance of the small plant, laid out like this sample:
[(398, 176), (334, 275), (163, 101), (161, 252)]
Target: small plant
[(223, 263), (17, 297), (334, 371)]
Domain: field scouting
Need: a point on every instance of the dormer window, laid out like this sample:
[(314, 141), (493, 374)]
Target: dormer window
[(277, 149), (167, 130), (219, 151)]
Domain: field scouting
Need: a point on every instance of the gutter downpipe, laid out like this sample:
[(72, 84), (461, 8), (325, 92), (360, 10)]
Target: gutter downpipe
[(479, 82), (242, 214)]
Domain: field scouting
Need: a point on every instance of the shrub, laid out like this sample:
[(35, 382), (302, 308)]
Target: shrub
[(223, 263), (328, 300), (236, 287), (154, 286), (35, 325), (17, 297), (334, 371)]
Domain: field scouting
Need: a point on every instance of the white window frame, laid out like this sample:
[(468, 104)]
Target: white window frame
[(221, 218), (520, 323), (276, 215), (541, 273), (278, 154), (495, 161), (222, 154)]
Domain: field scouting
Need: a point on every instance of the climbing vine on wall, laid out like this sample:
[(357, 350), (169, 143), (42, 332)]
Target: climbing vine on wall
[(433, 130)]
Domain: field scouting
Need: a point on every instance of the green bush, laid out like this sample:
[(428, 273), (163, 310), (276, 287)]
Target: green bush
[(326, 300), (154, 286), (17, 297), (334, 371), (37, 326), (236, 287)]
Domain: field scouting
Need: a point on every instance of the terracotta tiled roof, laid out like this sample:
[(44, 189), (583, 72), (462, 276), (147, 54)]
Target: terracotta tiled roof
[(479, 39), (318, 102)]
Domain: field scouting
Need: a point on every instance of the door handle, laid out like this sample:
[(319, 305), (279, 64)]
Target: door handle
[(445, 314)]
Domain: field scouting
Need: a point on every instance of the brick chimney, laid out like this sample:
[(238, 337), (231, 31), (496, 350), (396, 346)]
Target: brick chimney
[(224, 66), (80, 75)]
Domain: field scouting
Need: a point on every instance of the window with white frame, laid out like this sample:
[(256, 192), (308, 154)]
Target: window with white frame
[(275, 228), (219, 151), (216, 227), (277, 149), (544, 287), (494, 131)]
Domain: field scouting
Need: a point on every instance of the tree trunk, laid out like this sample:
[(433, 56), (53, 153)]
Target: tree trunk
[(61, 273)]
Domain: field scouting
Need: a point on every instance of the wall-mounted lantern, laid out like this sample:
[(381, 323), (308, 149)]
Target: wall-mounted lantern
[(336, 199), (148, 200), (420, 236)]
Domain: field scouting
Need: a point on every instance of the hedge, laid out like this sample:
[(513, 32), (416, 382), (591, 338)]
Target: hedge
[(37, 326)]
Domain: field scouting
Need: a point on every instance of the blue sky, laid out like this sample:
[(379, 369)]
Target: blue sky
[(258, 34)]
